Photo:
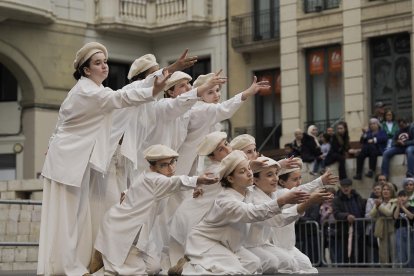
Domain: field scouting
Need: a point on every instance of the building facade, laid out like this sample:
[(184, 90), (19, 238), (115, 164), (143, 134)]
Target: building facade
[(38, 43), (330, 60)]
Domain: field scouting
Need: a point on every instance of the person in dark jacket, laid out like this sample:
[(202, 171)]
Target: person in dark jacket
[(403, 142), (348, 206), (339, 148), (373, 141)]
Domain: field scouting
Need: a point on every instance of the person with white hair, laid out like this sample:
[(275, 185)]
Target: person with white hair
[(284, 237), (214, 245), (204, 116), (123, 238), (79, 143), (373, 141)]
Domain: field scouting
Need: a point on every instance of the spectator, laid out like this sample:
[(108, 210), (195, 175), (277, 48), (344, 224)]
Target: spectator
[(297, 142), (402, 213), (339, 149), (348, 206), (315, 148), (390, 126), (379, 111), (382, 212), (403, 142), (408, 185), (327, 221), (374, 141), (330, 131), (371, 241), (325, 147), (289, 151)]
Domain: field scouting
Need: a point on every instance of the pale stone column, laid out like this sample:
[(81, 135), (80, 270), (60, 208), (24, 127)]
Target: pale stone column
[(289, 70), (353, 74)]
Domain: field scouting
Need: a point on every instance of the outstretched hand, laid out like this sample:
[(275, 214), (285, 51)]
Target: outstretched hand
[(328, 178), (159, 83), (293, 197), (290, 163), (215, 80), (204, 179), (255, 88), (182, 62)]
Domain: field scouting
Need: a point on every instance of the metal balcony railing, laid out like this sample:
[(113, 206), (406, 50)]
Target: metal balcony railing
[(255, 27), (319, 5)]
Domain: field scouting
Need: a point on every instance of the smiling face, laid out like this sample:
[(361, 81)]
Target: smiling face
[(241, 177), (267, 180), (294, 180), (98, 69), (213, 95)]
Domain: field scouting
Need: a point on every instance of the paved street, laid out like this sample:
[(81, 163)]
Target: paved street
[(322, 270)]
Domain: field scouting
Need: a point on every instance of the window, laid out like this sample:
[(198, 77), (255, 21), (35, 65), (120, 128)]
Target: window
[(201, 67), (391, 73), (117, 77), (324, 86), (266, 19), (8, 85), (319, 5), (7, 167), (268, 111)]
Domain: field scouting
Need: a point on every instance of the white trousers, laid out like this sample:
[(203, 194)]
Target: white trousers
[(219, 260), (274, 260), (65, 242), (136, 263)]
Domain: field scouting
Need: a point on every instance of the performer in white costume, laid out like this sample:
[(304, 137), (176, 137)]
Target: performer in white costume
[(123, 238), (245, 143), (80, 141), (205, 115), (215, 147), (273, 259), (284, 237), (214, 246)]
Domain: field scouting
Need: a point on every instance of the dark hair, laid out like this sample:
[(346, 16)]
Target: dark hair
[(390, 111), (256, 174), (140, 76), (284, 176), (80, 72), (402, 193), (378, 175), (404, 120), (289, 145), (152, 163), (326, 136), (166, 94), (225, 183)]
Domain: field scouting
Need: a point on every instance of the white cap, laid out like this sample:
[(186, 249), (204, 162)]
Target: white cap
[(230, 162), (202, 79), (88, 50), (142, 64), (175, 78), (210, 142), (242, 141), (285, 171), (269, 163), (159, 152)]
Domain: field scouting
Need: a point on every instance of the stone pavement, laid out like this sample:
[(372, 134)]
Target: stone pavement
[(322, 270)]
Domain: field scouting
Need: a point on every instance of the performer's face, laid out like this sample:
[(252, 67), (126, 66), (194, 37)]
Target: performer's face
[(165, 166), (267, 180)]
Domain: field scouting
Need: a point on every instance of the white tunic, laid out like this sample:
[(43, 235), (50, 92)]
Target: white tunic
[(134, 218), (225, 225), (82, 133), (285, 238), (203, 118)]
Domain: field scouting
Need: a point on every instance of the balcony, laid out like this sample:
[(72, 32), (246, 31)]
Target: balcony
[(310, 6), (254, 32), (153, 17), (33, 11)]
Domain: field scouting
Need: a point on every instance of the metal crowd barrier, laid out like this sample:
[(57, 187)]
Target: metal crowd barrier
[(344, 244), (19, 202)]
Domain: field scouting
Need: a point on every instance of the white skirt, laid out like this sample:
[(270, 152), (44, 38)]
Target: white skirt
[(65, 243)]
